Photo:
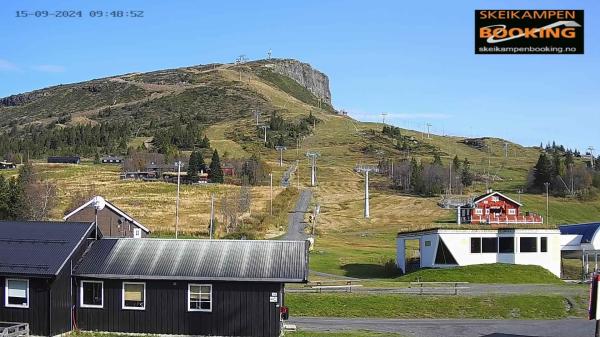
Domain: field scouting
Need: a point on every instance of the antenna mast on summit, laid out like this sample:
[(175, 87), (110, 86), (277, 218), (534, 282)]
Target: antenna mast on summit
[(269, 54)]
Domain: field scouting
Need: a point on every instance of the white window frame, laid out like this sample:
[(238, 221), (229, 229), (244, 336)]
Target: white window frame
[(123, 306), (478, 211), (83, 305), (495, 198), (512, 211), (137, 233), (6, 304), (189, 302)]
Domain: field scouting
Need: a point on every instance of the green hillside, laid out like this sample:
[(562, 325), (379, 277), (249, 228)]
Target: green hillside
[(220, 99)]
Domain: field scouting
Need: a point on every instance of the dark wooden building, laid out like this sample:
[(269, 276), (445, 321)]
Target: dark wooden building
[(5, 165), (187, 287), (112, 222), (111, 160), (36, 260), (64, 160)]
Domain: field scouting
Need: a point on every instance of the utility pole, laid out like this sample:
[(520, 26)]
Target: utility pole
[(313, 175), (212, 214), (428, 126), (366, 170), (547, 184), (383, 114), (506, 149), (591, 149), (280, 149), (298, 172), (450, 179), (519, 191), (257, 113), (265, 127), (271, 194), (178, 163)]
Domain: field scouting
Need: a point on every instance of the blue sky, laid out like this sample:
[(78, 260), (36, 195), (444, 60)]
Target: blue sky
[(412, 60)]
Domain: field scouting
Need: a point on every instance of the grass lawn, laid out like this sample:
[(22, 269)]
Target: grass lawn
[(485, 273), (415, 306), (340, 334)]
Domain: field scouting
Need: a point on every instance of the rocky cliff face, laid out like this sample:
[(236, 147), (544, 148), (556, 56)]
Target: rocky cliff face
[(308, 77)]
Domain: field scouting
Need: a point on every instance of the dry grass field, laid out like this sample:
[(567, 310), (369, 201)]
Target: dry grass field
[(152, 203)]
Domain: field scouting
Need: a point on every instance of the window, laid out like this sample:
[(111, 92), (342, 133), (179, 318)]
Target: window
[(528, 245), (16, 293), (512, 211), (544, 244), (489, 245), (199, 297), (506, 245), (495, 198), (487, 211), (476, 245), (427, 243), (137, 233), (92, 294), (134, 295), (478, 211)]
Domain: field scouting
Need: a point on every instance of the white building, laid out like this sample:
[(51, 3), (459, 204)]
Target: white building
[(442, 248), (580, 237)]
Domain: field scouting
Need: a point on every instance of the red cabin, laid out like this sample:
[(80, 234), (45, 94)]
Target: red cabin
[(496, 208)]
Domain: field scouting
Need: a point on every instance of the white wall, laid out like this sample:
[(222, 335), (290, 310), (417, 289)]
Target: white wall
[(459, 244)]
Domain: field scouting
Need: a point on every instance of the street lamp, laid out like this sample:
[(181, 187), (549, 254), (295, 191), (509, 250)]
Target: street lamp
[(271, 197), (178, 163)]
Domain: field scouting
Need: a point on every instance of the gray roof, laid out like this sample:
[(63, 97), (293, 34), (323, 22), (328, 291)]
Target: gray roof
[(39, 248), (215, 260)]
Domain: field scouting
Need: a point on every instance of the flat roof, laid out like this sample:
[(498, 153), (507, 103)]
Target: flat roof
[(477, 229)]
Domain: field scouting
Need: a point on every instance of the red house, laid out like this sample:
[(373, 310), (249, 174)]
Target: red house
[(496, 208), (228, 170)]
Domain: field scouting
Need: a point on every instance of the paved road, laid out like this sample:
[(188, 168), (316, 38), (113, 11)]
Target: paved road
[(287, 175), (296, 224), (453, 328)]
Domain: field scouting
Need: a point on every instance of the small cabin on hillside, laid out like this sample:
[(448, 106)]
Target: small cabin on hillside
[(64, 160), (112, 221), (495, 208), (111, 160), (5, 165), (36, 259)]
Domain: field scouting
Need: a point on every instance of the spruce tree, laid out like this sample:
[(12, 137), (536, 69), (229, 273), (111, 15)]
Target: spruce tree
[(542, 172), (437, 160), (215, 168), (466, 176), (456, 164), (192, 169)]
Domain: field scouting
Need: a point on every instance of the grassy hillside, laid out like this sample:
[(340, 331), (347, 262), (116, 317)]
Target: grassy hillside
[(214, 95)]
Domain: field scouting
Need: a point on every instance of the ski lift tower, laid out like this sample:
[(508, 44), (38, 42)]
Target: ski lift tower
[(313, 174), (280, 149), (265, 127), (366, 169)]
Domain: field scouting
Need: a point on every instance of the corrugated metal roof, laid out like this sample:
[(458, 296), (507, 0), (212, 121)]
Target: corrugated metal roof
[(38, 248), (586, 230), (217, 260)]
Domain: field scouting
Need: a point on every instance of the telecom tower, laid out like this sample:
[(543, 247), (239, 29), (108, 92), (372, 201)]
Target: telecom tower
[(313, 174)]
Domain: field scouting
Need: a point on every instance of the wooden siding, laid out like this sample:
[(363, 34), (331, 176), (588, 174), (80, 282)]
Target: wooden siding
[(238, 309), (108, 222), (37, 313)]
